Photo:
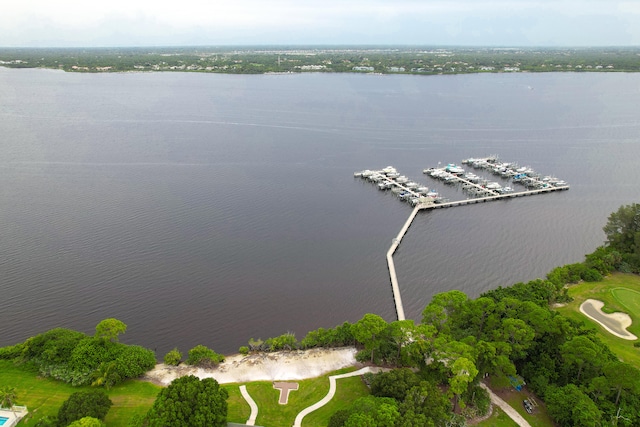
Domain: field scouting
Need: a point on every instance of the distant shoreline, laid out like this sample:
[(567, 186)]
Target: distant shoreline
[(386, 60)]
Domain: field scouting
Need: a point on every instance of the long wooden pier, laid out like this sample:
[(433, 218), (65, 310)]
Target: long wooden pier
[(392, 268), (426, 203)]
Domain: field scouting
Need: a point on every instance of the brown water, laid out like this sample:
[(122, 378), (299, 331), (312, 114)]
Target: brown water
[(210, 209)]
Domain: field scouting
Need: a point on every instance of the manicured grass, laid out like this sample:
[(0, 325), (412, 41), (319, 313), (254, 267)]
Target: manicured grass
[(629, 298), (130, 398), (347, 391), (497, 419), (238, 410), (44, 396), (310, 391), (606, 292)]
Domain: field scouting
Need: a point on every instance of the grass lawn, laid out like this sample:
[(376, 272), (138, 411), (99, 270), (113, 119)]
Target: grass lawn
[(238, 410), (272, 414), (347, 391), (44, 396), (629, 298), (497, 419), (620, 293), (501, 386)]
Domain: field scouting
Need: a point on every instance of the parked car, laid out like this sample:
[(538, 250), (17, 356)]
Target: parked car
[(527, 405)]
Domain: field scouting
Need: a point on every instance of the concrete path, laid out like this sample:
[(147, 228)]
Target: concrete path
[(331, 393), (252, 404), (512, 413)]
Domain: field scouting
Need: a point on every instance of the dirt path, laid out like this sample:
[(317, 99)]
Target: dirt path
[(512, 413)]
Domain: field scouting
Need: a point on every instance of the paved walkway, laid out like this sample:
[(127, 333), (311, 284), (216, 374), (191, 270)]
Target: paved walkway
[(512, 413), (331, 393), (252, 404)]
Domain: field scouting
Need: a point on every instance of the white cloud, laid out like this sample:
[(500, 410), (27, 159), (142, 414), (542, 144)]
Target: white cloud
[(304, 21)]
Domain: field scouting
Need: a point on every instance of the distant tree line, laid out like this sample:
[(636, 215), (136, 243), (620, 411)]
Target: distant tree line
[(279, 59)]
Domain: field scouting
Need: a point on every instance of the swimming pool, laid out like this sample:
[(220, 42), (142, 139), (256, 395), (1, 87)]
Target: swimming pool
[(3, 420)]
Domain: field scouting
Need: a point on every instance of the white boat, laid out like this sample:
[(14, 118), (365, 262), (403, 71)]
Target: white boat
[(454, 169)]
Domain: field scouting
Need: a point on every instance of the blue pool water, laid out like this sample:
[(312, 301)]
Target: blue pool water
[(3, 420)]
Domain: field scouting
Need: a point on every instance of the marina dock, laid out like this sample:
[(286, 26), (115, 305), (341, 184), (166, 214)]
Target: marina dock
[(484, 190)]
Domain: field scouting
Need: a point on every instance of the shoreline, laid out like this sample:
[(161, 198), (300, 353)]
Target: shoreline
[(276, 366)]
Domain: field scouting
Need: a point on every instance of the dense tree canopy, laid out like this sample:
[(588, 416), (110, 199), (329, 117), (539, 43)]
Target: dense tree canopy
[(92, 403), (623, 234), (79, 359), (190, 402)]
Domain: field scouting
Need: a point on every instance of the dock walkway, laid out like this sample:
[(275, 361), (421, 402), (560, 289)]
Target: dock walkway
[(426, 203)]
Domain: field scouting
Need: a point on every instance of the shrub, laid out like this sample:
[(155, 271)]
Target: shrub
[(134, 361), (203, 356), (283, 342), (11, 352), (591, 275), (174, 357), (244, 350)]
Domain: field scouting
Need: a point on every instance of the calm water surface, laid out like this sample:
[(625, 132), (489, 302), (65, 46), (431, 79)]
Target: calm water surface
[(209, 209)]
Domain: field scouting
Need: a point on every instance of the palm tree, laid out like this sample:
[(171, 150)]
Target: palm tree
[(7, 397)]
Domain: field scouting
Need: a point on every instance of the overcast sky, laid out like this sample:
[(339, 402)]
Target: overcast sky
[(67, 23)]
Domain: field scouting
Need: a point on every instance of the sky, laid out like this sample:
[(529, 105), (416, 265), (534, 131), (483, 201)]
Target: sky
[(89, 23)]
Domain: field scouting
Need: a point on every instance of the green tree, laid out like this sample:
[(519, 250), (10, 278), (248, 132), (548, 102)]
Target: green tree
[(190, 402), (91, 403), (173, 357), (87, 422), (106, 375), (517, 334), (368, 331), (109, 329), (623, 233), (368, 411), (581, 351), (622, 376), (442, 308), (400, 333), (425, 405), (463, 371), (570, 407), (394, 384)]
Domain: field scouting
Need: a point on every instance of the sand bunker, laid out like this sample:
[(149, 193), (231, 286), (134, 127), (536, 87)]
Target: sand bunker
[(615, 323), (279, 366)]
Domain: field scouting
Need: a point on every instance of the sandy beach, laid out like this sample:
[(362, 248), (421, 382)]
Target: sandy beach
[(277, 366)]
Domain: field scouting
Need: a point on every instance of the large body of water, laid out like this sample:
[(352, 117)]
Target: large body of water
[(210, 209)]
